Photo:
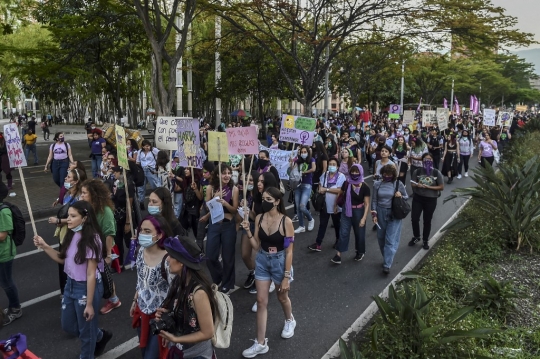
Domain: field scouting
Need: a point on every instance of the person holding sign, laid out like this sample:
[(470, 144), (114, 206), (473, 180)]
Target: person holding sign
[(307, 166), (221, 237)]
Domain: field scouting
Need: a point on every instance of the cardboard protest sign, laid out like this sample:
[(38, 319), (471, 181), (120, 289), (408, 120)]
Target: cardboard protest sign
[(121, 151), (429, 118), (242, 140), (408, 117), (394, 111), (166, 136), (297, 129), (489, 117), (14, 146), (217, 146), (521, 108), (280, 160), (188, 142), (442, 118), (505, 119)]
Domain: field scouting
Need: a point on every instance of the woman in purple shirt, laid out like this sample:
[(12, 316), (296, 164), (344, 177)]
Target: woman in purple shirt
[(60, 156), (96, 146), (487, 146)]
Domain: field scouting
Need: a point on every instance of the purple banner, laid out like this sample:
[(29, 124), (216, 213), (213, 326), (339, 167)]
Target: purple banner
[(189, 148)]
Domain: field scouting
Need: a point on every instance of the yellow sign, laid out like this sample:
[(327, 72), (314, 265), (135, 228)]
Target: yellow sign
[(218, 149), (521, 108), (121, 146)]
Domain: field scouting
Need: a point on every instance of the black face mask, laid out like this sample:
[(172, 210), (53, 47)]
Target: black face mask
[(263, 163), (267, 206)]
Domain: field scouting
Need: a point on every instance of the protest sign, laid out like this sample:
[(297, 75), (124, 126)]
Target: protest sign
[(280, 160), (394, 111), (489, 117), (521, 108), (442, 118), (217, 146), (188, 142), (166, 136), (297, 129), (504, 119), (242, 140), (429, 118), (408, 117), (216, 210), (121, 151), (14, 146)]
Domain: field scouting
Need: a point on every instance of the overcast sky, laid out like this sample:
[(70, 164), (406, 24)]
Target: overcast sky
[(528, 14)]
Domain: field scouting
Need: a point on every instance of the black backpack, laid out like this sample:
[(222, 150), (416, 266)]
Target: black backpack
[(19, 227), (137, 173)]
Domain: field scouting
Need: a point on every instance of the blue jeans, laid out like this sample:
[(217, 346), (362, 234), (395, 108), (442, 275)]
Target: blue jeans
[(221, 237), (151, 351), (150, 178), (73, 320), (301, 198), (33, 149), (59, 171), (389, 234), (96, 165), (177, 204), (345, 231), (7, 284)]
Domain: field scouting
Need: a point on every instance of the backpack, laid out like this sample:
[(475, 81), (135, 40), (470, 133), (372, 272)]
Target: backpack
[(137, 173), (223, 325), (19, 231)]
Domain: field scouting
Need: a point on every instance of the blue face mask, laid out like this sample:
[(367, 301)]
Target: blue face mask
[(67, 185), (303, 155), (332, 169), (154, 209), (145, 240), (78, 228)]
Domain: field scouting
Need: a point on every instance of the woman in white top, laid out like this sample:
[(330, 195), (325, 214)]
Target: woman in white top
[(385, 160), (147, 158)]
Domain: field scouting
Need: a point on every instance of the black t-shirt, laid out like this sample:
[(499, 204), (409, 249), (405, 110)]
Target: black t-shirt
[(32, 126), (356, 198)]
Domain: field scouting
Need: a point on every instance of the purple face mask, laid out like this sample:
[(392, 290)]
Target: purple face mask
[(387, 178), (428, 166)]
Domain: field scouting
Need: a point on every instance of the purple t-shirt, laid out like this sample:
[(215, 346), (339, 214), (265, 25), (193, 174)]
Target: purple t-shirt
[(308, 177), (487, 150), (78, 271), (96, 146), (60, 150)]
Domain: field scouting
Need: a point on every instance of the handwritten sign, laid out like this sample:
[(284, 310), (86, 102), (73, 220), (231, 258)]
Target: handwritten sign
[(489, 117), (242, 140), (121, 146), (188, 142), (442, 118), (505, 119), (521, 108), (394, 111), (14, 146), (217, 146), (166, 132), (408, 117), (279, 159), (429, 118), (297, 129)]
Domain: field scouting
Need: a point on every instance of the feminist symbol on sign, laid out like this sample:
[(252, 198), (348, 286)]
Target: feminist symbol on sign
[(395, 109), (304, 136)]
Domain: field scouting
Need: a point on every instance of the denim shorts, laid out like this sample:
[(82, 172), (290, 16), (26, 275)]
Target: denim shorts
[(271, 266)]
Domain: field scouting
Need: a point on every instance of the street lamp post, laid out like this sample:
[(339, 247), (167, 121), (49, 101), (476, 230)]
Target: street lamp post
[(402, 86)]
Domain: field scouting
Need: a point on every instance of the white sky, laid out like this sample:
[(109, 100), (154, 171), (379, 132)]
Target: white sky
[(527, 13)]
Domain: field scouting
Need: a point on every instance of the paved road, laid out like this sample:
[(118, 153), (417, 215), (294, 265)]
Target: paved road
[(326, 298)]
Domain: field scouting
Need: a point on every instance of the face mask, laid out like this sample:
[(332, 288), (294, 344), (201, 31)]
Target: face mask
[(61, 139), (145, 240), (428, 166), (263, 163), (406, 132), (354, 176), (93, 127), (154, 209), (250, 187), (332, 169), (303, 155), (329, 145), (67, 185), (78, 228), (387, 178), (267, 206)]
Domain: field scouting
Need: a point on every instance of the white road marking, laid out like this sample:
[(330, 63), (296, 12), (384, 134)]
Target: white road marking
[(26, 254), (56, 293), (121, 349)]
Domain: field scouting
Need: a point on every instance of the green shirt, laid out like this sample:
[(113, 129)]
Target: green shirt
[(106, 222), (8, 250)]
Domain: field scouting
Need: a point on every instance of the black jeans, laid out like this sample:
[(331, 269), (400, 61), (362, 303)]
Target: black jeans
[(323, 224), (464, 162), (402, 169), (436, 158), (489, 159), (422, 204)]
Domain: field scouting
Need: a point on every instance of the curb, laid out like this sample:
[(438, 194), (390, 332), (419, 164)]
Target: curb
[(372, 309)]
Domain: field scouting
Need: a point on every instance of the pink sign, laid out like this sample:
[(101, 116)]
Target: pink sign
[(242, 141), (14, 146)]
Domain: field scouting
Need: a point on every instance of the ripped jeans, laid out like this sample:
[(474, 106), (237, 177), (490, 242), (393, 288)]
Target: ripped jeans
[(73, 320)]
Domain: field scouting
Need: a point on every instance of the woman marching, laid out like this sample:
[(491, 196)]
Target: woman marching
[(274, 238), (451, 157), (389, 228), (307, 166), (487, 146), (59, 155), (81, 255), (401, 152), (465, 151)]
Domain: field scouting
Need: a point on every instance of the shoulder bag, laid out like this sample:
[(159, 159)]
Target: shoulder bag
[(400, 207)]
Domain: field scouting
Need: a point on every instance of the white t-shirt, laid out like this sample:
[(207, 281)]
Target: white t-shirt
[(330, 197)]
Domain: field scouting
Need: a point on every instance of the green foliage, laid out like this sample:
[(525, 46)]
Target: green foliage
[(346, 353), (497, 296)]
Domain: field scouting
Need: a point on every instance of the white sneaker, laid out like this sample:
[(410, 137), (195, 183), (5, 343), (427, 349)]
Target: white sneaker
[(295, 218), (466, 174), (254, 308), (459, 176), (272, 287), (288, 328), (256, 349), (300, 230), (311, 224)]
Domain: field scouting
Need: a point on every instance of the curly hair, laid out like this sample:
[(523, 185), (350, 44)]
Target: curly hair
[(389, 169), (215, 180), (100, 195)]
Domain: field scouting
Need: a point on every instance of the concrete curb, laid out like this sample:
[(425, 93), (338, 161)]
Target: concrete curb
[(372, 309)]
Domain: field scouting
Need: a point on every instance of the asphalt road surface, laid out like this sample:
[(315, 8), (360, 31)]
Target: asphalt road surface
[(326, 298)]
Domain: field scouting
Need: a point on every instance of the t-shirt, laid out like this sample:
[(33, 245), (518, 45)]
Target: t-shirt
[(487, 150), (96, 146), (32, 125), (151, 286), (307, 178), (78, 271), (332, 182), (60, 151), (420, 176), (106, 222), (356, 198), (98, 131), (30, 139), (8, 250)]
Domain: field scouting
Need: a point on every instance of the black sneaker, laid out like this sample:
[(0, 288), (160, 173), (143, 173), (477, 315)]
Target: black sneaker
[(336, 259), (426, 245), (100, 346), (450, 180), (413, 241), (374, 227), (386, 270), (359, 257), (314, 247), (250, 280), (10, 315), (253, 289)]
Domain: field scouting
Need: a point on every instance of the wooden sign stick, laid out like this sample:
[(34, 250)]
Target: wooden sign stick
[(245, 185), (128, 204), (27, 201), (219, 168)]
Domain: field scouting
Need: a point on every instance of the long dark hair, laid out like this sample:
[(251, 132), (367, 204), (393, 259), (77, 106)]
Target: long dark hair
[(79, 176), (134, 144), (161, 225), (269, 181), (167, 210), (162, 159), (99, 194), (277, 195), (215, 180), (89, 232), (300, 160)]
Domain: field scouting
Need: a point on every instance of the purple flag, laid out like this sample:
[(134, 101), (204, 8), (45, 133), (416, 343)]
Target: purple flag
[(445, 103), (458, 111), (419, 105), (472, 104), (476, 105)]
